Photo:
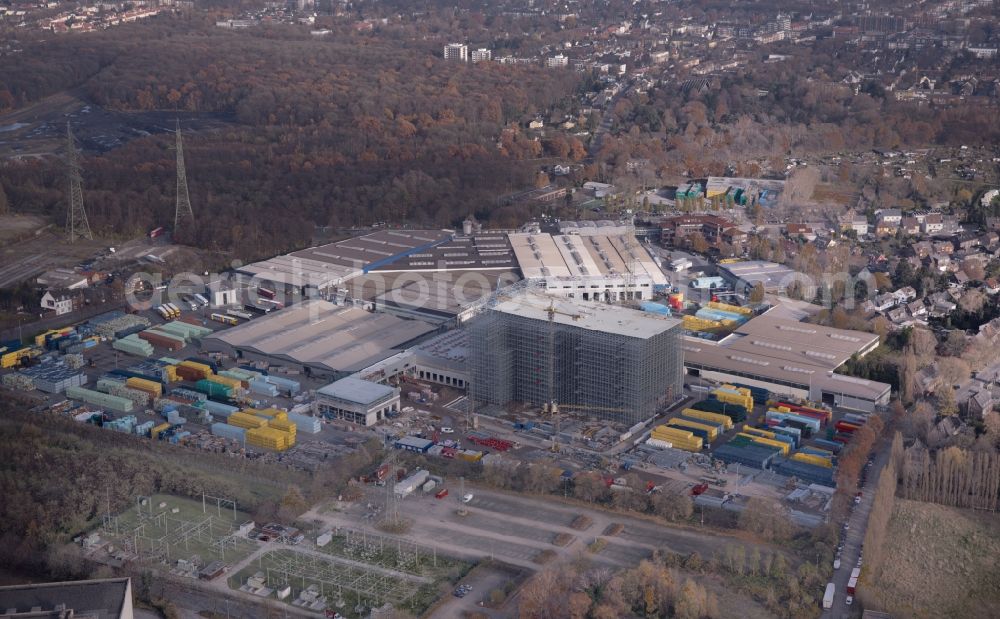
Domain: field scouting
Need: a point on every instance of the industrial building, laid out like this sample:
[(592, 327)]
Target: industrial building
[(319, 338), (444, 359), (791, 358), (318, 270), (589, 267), (744, 276), (608, 361), (109, 598), (357, 401)]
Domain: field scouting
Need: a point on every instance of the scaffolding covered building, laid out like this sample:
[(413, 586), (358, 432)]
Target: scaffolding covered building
[(603, 360)]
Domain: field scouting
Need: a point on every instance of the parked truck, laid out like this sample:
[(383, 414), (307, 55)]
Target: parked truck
[(828, 596)]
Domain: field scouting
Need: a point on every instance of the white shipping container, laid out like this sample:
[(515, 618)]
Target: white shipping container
[(324, 539)]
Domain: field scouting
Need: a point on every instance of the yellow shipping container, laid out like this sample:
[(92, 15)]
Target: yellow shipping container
[(784, 447), (726, 421), (713, 431), (171, 373), (812, 459), (156, 430), (266, 412), (145, 385)]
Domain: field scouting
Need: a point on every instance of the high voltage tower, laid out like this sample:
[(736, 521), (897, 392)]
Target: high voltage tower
[(183, 215), (76, 221)]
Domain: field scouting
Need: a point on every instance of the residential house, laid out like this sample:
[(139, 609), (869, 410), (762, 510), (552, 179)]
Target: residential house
[(800, 230), (966, 241), (905, 294), (991, 285), (910, 226), (885, 228), (734, 236), (944, 247), (993, 223), (980, 404), (933, 223), (889, 215), (923, 249), (917, 309), (884, 302), (60, 304), (961, 277), (989, 239), (898, 316)]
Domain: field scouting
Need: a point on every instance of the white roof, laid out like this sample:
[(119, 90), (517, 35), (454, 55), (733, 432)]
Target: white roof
[(592, 316)]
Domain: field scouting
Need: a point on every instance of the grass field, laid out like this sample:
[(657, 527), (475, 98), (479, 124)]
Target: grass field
[(940, 562), (160, 535)]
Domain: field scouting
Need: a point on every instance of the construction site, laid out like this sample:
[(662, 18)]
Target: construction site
[(607, 361)]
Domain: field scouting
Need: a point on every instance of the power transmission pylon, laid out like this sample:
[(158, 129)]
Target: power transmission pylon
[(183, 215), (76, 220)]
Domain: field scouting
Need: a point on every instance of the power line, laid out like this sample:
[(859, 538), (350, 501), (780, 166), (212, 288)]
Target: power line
[(77, 225), (183, 214)]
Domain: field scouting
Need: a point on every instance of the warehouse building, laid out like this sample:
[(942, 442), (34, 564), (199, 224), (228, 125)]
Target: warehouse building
[(608, 361), (791, 358), (589, 267), (357, 401), (319, 338), (319, 270), (444, 359), (775, 278)]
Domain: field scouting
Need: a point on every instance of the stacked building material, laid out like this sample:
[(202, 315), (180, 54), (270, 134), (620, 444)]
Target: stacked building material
[(18, 381), (121, 324), (154, 389), (736, 412), (262, 387), (144, 428), (138, 397), (678, 438), (716, 418), (246, 420), (162, 340), (54, 377), (232, 383), (188, 394), (305, 423), (192, 372), (269, 438), (122, 424), (103, 400), (213, 389), (218, 408), (133, 345), (285, 385), (74, 361), (158, 430), (224, 430)]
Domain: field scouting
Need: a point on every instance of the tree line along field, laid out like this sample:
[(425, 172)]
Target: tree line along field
[(939, 562)]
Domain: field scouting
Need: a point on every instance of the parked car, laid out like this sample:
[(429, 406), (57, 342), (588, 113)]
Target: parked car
[(467, 498), (447, 430)]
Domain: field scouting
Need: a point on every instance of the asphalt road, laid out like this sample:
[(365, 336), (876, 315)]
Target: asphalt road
[(856, 536)]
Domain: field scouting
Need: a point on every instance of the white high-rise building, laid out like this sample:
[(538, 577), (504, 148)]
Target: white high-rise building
[(557, 61), (481, 55), (456, 51)]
